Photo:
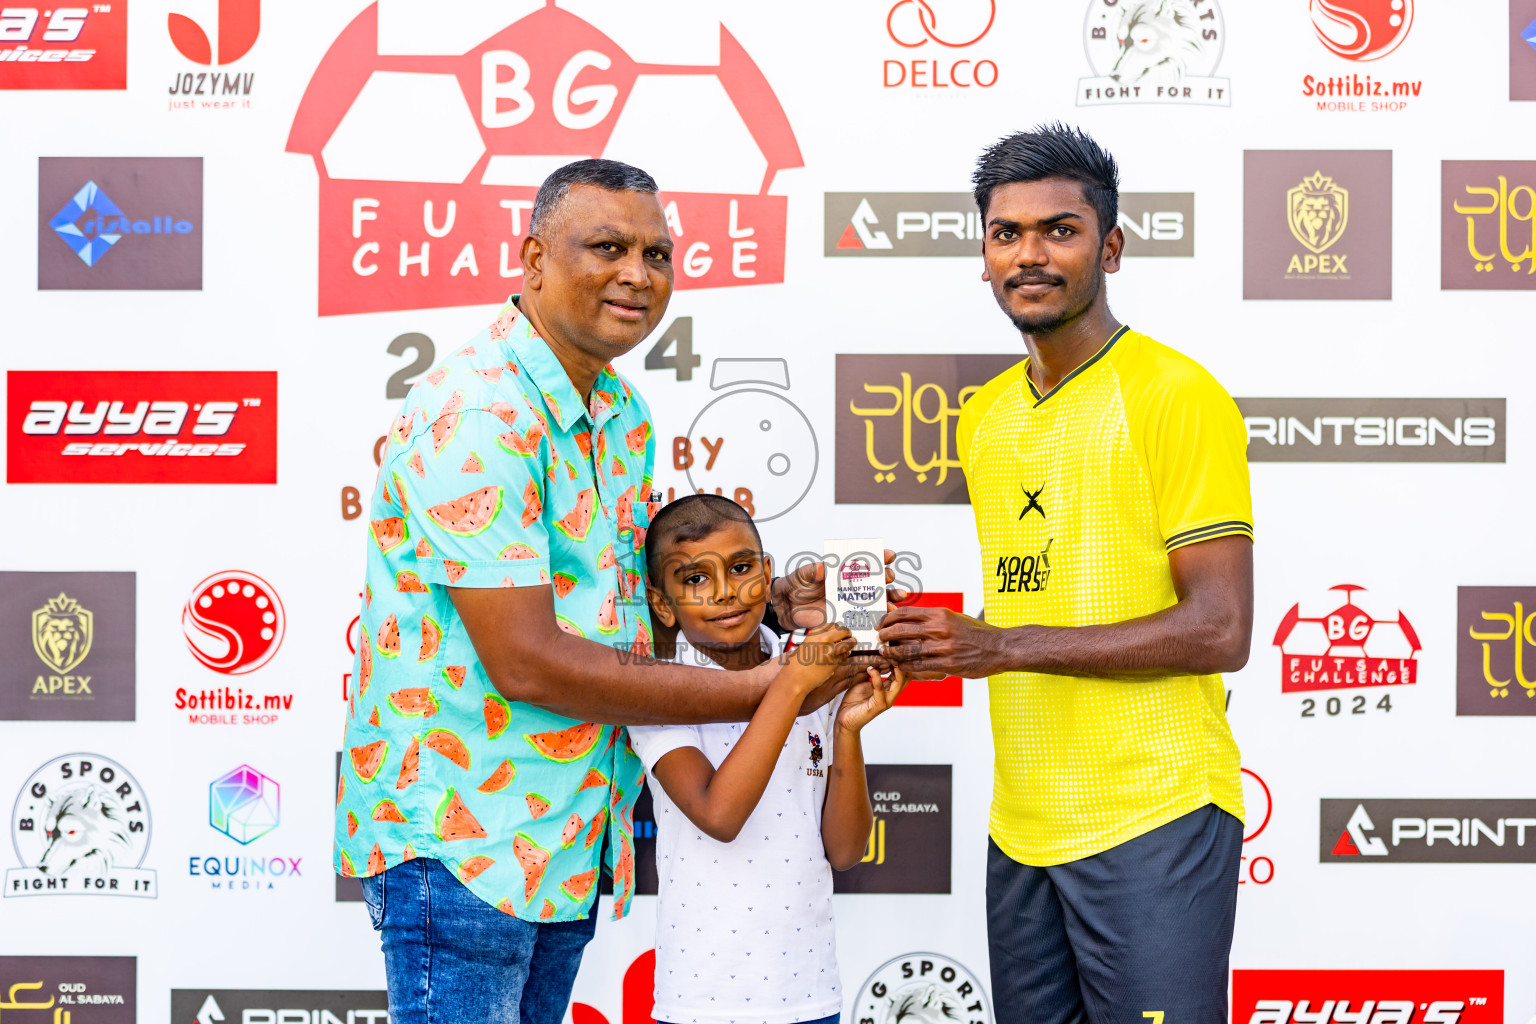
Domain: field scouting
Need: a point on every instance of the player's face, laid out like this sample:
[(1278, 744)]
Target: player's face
[(1043, 255), (716, 589), (604, 270)]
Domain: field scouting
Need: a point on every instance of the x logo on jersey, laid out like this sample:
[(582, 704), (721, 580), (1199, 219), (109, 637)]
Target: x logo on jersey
[(1034, 501)]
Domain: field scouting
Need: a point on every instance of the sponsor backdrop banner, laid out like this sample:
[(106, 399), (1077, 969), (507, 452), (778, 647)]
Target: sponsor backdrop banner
[(239, 231)]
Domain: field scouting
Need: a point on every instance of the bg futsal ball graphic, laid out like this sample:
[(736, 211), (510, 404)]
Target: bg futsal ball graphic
[(233, 622)]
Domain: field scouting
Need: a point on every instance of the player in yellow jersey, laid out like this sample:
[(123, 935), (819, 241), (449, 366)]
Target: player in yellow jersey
[(1109, 480)]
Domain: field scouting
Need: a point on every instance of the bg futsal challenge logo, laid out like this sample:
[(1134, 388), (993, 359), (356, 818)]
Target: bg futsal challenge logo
[(424, 198)]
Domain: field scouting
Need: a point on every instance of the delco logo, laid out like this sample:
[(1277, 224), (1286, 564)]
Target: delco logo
[(1367, 997), (64, 47), (1345, 648), (141, 427), (424, 197)]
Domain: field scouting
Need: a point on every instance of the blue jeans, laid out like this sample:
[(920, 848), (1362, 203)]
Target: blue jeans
[(452, 958)]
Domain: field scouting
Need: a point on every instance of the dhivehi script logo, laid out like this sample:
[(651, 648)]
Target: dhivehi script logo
[(80, 827), (922, 988)]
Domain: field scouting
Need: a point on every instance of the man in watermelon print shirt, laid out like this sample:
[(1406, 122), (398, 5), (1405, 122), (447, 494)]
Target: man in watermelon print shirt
[(506, 632)]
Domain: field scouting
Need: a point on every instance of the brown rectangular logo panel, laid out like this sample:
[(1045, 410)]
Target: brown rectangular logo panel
[(896, 419), (67, 646), (1488, 224), (1496, 650), (1374, 429), (1317, 224)]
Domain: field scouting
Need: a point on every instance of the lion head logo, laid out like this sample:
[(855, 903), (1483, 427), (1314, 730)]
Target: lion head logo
[(1317, 211), (61, 633), (1158, 41)]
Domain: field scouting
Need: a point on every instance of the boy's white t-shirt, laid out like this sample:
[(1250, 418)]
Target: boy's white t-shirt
[(744, 931)]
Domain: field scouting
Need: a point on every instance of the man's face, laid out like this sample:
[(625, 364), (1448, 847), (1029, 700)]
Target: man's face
[(604, 274), (1043, 255)]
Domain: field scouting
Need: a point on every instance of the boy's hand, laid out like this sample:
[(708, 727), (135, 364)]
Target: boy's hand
[(866, 699), (812, 663)]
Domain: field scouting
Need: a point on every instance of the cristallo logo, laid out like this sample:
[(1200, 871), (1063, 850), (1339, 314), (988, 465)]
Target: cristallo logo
[(239, 24), (1317, 211), (1362, 29)]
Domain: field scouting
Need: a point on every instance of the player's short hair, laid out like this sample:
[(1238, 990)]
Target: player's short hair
[(690, 518), (1052, 151), (605, 174)]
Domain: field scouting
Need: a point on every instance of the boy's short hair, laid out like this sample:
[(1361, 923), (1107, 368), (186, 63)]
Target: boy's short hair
[(690, 518)]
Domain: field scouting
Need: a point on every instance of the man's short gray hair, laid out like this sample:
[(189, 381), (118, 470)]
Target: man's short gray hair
[(606, 174)]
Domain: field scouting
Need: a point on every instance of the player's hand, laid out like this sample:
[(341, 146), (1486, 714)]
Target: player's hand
[(811, 664), (931, 643), (871, 696), (800, 598)]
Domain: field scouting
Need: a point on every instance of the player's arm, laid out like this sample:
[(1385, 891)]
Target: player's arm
[(720, 800), (846, 816), (1207, 631)]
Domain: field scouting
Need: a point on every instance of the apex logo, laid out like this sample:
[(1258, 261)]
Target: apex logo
[(239, 24)]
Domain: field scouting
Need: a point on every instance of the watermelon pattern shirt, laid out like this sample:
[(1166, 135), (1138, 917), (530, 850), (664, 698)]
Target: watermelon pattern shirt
[(497, 474)]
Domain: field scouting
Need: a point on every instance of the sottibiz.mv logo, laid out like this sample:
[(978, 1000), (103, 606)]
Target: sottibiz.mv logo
[(424, 197), (141, 427), (1368, 997), (1345, 648)]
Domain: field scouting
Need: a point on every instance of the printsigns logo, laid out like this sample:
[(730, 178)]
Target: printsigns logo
[(1317, 224), (1402, 997), (896, 419), (64, 47), (1158, 223), (424, 197), (901, 224), (56, 989), (210, 1006), (1522, 49), (233, 622), (909, 224), (68, 639), (915, 26), (1359, 831), (1494, 626), (141, 427), (750, 443), (909, 842), (1345, 649), (120, 223), (80, 827), (1374, 429), (1154, 51), (1488, 224), (1361, 29), (929, 987)]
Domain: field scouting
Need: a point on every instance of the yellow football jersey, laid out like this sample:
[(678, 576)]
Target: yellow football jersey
[(1079, 495)]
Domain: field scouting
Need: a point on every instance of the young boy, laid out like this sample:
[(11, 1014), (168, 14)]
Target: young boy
[(751, 817)]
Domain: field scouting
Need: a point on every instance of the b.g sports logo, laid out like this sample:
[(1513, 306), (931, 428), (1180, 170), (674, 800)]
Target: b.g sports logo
[(141, 427), (424, 198)]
